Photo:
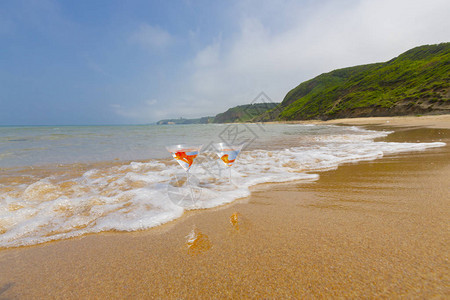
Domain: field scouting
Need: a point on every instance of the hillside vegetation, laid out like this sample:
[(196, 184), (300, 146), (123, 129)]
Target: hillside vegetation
[(241, 113), (244, 113), (416, 82), (183, 121)]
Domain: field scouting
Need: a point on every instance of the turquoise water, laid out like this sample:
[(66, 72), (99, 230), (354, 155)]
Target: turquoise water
[(41, 145)]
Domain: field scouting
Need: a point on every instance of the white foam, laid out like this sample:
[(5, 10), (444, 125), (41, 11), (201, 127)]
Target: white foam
[(135, 196)]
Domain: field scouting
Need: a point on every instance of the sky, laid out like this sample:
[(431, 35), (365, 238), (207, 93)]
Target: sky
[(100, 62)]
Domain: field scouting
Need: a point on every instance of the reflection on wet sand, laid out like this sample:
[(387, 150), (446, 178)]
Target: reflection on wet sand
[(197, 242)]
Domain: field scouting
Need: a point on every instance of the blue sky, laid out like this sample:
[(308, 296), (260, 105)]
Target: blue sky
[(133, 62)]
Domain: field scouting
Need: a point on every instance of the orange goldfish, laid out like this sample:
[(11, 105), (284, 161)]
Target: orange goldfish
[(189, 159), (225, 159)]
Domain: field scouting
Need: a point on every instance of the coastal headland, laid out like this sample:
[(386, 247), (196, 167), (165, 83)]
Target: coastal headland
[(372, 229)]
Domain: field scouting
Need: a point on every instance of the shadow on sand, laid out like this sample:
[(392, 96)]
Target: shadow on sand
[(6, 287)]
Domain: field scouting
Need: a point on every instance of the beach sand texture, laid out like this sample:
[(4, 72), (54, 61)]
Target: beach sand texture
[(372, 229)]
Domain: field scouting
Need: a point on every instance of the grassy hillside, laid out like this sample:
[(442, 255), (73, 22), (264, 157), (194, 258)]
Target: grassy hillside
[(241, 113), (244, 113), (204, 120), (417, 81)]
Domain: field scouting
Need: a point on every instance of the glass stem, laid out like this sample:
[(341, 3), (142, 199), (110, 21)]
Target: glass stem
[(189, 185)]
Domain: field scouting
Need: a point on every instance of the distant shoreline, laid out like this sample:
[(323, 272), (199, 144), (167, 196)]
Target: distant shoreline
[(430, 121)]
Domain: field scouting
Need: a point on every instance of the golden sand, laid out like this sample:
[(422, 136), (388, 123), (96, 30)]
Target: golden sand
[(432, 121), (376, 229)]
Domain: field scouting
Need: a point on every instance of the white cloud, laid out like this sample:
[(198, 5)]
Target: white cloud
[(97, 68), (151, 37), (208, 57), (151, 102), (276, 47), (332, 35), (143, 112)]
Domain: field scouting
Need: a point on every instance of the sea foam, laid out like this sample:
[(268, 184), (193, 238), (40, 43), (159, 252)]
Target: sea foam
[(140, 195)]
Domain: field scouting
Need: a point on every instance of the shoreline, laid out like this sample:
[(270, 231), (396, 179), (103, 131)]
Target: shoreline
[(429, 121), (361, 230)]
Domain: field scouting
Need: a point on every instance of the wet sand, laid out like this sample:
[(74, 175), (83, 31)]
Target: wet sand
[(430, 121), (372, 229)]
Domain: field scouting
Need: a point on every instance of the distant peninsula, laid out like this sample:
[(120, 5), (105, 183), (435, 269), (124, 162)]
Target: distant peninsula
[(241, 113), (415, 82)]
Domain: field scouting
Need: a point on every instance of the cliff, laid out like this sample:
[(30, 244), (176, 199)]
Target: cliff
[(415, 82)]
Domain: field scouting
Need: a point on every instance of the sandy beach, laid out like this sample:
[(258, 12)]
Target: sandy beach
[(375, 229)]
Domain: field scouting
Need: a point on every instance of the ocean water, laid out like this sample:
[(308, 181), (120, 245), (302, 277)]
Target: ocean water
[(61, 182)]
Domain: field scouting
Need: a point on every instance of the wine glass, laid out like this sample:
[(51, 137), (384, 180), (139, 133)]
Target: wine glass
[(228, 154), (185, 154)]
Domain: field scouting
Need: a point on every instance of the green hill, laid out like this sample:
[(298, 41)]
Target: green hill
[(416, 82), (244, 113), (241, 113), (203, 120)]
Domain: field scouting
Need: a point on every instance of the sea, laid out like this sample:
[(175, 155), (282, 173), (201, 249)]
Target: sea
[(58, 182)]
